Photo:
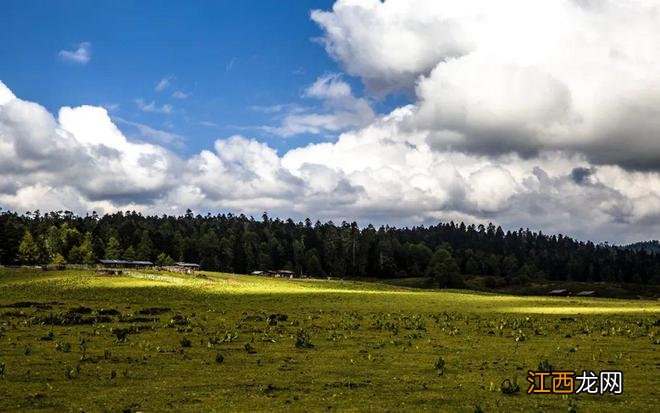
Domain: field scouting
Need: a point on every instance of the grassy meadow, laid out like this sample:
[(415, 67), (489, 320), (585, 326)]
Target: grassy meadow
[(156, 341)]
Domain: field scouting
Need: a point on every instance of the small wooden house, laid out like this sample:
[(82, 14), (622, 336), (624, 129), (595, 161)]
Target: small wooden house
[(125, 264)]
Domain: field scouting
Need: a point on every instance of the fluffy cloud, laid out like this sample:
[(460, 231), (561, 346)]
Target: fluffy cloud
[(80, 154), (495, 77), (81, 55), (341, 110)]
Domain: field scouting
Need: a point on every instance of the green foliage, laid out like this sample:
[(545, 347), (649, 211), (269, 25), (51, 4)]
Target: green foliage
[(164, 260), (241, 244), (28, 250), (58, 260), (419, 256), (361, 361), (312, 263), (444, 271), (129, 254), (113, 249), (53, 242), (83, 253), (145, 248), (303, 339)]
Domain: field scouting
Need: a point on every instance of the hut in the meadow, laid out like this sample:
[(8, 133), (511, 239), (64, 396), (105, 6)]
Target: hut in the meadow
[(113, 267)]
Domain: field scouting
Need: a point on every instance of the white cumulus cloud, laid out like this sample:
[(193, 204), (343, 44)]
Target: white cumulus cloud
[(513, 75), (81, 55)]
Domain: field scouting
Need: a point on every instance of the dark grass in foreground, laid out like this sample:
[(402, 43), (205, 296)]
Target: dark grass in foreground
[(158, 341)]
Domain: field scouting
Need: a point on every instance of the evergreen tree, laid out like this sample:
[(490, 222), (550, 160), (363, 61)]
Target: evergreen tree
[(28, 250), (53, 242), (113, 249), (242, 244), (83, 253), (443, 270), (312, 263), (164, 260), (58, 260), (129, 253), (144, 249)]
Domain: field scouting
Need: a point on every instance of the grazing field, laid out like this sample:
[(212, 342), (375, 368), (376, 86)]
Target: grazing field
[(148, 341)]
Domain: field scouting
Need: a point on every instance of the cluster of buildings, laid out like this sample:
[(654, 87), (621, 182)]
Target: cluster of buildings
[(565, 293), (277, 273), (115, 266)]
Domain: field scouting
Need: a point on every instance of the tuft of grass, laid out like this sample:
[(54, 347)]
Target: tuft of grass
[(303, 340)]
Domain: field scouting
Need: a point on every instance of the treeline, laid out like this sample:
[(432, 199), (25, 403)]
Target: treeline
[(242, 244)]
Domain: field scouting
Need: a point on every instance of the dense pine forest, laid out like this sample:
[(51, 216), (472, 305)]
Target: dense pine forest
[(242, 244)]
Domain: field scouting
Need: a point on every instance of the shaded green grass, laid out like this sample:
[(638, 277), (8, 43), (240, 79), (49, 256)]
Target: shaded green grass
[(374, 345)]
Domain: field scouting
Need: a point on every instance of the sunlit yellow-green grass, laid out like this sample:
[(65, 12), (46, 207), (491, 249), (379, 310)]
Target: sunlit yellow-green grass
[(227, 342)]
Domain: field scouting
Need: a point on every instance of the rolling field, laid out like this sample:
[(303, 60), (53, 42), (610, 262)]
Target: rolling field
[(148, 341)]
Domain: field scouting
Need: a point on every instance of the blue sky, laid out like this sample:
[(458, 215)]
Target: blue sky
[(230, 59)]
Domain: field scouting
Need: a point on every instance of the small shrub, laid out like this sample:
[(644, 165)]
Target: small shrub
[(219, 358), (274, 318), (2, 370), (440, 365), (510, 387), (185, 342), (249, 348), (63, 347), (120, 333), (303, 340)]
